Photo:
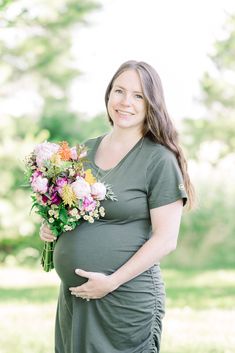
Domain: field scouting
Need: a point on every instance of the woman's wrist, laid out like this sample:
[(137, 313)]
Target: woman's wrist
[(114, 282)]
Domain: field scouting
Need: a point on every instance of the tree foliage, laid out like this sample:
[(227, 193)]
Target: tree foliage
[(217, 127), (37, 70)]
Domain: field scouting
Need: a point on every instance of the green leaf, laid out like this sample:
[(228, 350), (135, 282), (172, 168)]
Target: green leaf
[(63, 216)]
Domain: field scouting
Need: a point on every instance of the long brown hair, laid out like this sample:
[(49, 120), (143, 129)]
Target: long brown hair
[(157, 126)]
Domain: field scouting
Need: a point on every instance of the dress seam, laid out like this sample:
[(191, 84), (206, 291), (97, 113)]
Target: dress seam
[(152, 344)]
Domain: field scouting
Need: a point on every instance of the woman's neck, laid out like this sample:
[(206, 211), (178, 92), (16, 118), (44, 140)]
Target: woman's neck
[(124, 137)]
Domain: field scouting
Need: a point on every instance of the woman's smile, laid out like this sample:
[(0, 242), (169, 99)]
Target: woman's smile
[(123, 114)]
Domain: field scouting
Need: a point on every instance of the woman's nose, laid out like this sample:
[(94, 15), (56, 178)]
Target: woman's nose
[(126, 100)]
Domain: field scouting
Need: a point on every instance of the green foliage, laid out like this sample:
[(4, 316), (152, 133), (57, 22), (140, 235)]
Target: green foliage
[(67, 126), (217, 96), (36, 62), (207, 234)]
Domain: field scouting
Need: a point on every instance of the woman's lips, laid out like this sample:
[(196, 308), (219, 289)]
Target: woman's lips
[(123, 114)]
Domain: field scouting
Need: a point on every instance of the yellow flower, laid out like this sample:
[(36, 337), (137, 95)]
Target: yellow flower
[(68, 195), (89, 177)]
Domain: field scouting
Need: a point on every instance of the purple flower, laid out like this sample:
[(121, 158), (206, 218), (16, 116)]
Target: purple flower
[(35, 175), (60, 182), (55, 199), (45, 199)]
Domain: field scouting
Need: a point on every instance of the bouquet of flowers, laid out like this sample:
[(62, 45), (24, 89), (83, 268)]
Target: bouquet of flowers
[(64, 193)]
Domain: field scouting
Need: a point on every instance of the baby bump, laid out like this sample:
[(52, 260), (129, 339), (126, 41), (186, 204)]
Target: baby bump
[(94, 247)]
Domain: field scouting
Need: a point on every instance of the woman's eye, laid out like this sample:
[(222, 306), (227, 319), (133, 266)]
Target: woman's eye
[(139, 96), (118, 90)]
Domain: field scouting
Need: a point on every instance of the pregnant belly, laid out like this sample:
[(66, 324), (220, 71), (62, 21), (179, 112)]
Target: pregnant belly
[(97, 247)]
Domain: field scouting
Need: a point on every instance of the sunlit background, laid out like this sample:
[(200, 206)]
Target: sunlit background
[(57, 58)]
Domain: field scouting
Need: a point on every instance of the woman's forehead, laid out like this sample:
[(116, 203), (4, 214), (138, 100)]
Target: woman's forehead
[(129, 80)]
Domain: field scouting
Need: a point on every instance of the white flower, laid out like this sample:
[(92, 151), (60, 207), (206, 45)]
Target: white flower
[(56, 214), (51, 220), (72, 172), (40, 184), (81, 188), (44, 151), (73, 212), (67, 228), (91, 220), (98, 190), (74, 152)]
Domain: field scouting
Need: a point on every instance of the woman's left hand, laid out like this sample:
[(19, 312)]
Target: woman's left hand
[(97, 286)]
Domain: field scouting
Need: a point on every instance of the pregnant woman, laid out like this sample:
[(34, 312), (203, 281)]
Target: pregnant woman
[(112, 294)]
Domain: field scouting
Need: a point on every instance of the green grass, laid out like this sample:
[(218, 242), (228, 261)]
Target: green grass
[(200, 289), (45, 294), (199, 317)]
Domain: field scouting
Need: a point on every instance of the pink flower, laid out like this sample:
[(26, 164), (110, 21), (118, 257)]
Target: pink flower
[(40, 184), (60, 182), (74, 154), (44, 152), (89, 204), (81, 188), (98, 190), (35, 175)]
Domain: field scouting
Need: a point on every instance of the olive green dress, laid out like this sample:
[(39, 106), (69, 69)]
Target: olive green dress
[(128, 320)]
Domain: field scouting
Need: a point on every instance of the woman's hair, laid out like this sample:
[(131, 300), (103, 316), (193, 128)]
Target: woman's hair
[(157, 125)]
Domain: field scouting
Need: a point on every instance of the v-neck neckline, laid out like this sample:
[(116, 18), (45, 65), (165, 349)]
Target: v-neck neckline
[(98, 142)]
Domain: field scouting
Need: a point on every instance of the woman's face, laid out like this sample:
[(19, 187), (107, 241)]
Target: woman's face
[(126, 105)]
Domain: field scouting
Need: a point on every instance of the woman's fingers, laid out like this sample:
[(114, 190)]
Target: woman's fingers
[(46, 234)]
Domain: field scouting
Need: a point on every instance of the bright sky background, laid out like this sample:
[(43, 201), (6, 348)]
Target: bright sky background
[(173, 36)]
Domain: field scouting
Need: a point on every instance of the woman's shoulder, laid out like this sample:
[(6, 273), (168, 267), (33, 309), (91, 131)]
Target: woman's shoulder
[(91, 142), (156, 151)]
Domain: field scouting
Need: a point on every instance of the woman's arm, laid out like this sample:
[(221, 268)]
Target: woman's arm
[(165, 229)]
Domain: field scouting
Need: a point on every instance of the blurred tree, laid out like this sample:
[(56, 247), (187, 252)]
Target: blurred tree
[(217, 129), (37, 70)]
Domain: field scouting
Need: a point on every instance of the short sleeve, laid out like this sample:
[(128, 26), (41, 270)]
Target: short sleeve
[(164, 180)]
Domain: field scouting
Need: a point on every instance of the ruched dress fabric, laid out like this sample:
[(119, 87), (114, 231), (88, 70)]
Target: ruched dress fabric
[(129, 319)]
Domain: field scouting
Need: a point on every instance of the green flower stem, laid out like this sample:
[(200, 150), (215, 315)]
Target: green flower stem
[(47, 253), (47, 256)]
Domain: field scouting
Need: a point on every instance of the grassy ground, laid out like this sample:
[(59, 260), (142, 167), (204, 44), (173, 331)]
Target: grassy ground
[(199, 318)]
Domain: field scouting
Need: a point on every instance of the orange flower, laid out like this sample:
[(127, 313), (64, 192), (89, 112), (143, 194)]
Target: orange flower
[(64, 151)]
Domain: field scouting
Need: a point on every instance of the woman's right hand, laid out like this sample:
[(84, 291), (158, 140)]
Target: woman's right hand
[(46, 234)]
